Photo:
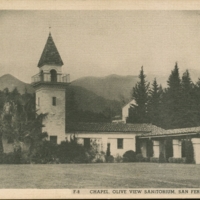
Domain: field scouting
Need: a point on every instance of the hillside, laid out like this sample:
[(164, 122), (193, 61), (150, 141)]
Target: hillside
[(115, 87), (88, 100), (111, 87), (10, 82)]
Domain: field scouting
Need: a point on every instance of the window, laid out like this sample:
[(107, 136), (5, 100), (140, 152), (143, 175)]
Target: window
[(54, 101), (87, 143), (120, 143), (53, 139), (38, 101)]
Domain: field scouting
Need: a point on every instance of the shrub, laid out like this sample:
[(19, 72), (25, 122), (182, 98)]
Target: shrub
[(139, 157), (155, 160), (108, 150), (162, 158), (99, 157), (177, 160), (118, 159), (72, 152), (45, 152), (129, 156), (25, 159), (109, 159), (99, 160), (146, 159), (189, 153)]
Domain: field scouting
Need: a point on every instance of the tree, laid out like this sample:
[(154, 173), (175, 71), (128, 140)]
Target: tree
[(171, 108), (19, 122), (138, 113), (189, 113), (154, 104)]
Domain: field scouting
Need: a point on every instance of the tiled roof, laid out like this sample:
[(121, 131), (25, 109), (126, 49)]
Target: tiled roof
[(183, 130), (174, 131), (112, 127), (142, 130), (50, 54)]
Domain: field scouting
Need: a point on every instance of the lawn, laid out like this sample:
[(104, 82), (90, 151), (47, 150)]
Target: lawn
[(113, 175)]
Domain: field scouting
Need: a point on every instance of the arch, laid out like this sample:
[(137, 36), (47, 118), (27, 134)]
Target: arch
[(41, 75), (53, 75)]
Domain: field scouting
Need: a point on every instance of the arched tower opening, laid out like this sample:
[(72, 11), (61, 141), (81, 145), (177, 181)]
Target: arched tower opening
[(53, 75)]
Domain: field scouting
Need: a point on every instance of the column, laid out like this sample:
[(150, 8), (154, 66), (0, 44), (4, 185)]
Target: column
[(196, 146), (143, 147), (177, 148), (156, 148)]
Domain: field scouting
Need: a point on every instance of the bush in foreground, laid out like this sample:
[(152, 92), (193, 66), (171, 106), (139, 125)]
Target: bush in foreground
[(177, 160), (140, 158), (154, 160), (162, 158), (189, 153), (129, 156)]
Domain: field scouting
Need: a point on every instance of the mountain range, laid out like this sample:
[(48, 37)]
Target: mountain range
[(97, 94), (116, 87), (10, 82)]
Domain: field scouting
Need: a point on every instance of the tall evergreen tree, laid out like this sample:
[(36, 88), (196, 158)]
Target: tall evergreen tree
[(189, 112), (154, 103), (138, 114), (171, 108), (196, 101)]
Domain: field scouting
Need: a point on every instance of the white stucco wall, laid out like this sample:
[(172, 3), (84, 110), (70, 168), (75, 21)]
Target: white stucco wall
[(125, 110), (55, 122), (104, 138)]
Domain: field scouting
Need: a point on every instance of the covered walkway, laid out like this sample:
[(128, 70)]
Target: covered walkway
[(171, 143)]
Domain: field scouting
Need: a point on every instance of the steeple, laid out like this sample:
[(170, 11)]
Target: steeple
[(50, 54)]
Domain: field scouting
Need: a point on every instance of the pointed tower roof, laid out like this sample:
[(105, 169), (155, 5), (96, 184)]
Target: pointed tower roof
[(50, 54)]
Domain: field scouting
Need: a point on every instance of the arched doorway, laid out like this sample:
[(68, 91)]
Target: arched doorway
[(53, 75)]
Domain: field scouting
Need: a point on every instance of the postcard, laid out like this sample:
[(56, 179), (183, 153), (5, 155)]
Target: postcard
[(99, 99)]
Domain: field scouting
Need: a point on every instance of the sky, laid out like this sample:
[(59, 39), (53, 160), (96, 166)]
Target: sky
[(101, 42)]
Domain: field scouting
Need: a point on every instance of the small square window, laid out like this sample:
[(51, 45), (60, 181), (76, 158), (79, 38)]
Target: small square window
[(87, 143), (54, 101), (120, 143), (53, 139)]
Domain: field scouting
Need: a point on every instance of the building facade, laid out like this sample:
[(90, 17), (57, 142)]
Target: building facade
[(50, 85), (149, 140)]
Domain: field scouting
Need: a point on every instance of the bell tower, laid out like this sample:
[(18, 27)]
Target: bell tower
[(50, 84)]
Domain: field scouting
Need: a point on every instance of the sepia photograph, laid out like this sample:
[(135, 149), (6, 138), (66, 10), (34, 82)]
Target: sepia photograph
[(101, 103)]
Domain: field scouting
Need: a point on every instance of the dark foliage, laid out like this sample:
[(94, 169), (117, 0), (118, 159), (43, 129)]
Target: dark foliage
[(129, 156), (45, 152), (72, 152), (176, 106), (154, 104), (138, 112), (162, 158), (189, 153), (109, 159), (108, 150)]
